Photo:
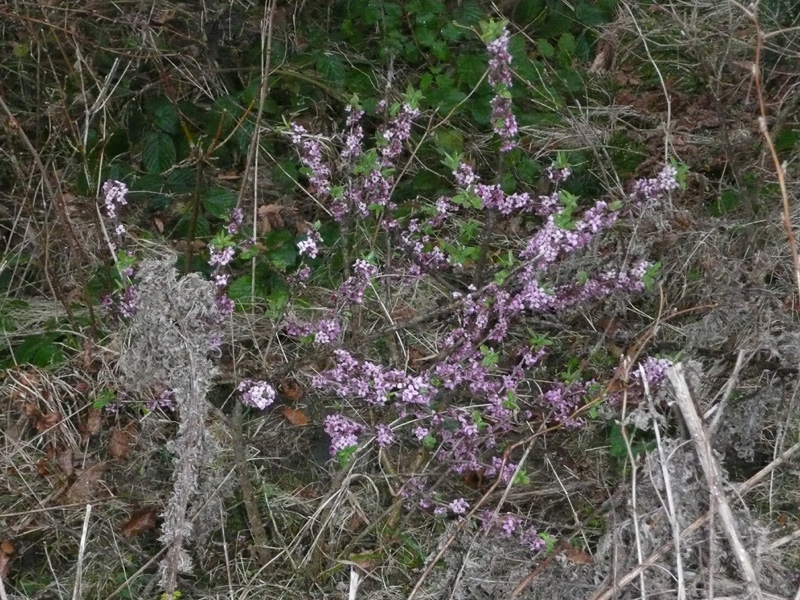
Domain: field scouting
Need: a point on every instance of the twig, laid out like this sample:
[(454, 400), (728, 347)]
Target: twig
[(779, 169), (671, 512), (76, 592), (712, 473), (741, 489), (245, 483)]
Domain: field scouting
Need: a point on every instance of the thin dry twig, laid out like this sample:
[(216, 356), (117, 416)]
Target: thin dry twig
[(76, 593), (712, 472), (741, 489)]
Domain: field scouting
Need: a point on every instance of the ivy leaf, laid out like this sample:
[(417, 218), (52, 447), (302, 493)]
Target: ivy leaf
[(158, 152)]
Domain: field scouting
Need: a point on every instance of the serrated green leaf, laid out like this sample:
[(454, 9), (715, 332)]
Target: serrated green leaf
[(218, 201), (166, 118), (158, 152), (469, 13), (239, 290), (545, 48)]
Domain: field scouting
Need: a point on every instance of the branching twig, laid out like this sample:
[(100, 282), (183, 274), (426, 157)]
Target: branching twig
[(712, 473)]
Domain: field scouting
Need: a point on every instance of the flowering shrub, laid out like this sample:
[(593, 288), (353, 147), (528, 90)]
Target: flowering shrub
[(477, 394), (488, 380)]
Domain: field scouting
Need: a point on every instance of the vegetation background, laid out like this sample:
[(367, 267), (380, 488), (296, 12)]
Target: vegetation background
[(189, 105)]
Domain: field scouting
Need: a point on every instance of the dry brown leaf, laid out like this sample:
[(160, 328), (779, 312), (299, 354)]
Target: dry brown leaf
[(291, 389), (579, 557), (295, 416), (7, 547), (64, 459), (141, 520), (269, 218), (5, 561), (43, 467), (94, 421), (87, 486), (119, 444)]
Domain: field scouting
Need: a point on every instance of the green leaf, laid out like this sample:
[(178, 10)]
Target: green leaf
[(545, 48), (429, 442), (281, 249), (490, 357), (344, 455), (158, 152), (218, 201), (103, 398), (651, 275), (239, 289), (522, 478), (332, 67), (469, 13), (166, 118)]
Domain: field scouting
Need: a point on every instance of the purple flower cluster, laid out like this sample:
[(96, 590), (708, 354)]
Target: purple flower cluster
[(656, 188), (129, 301), (355, 286), (655, 370), (343, 432), (325, 331), (564, 398), (114, 193), (257, 394), (384, 435), (235, 219), (372, 383), (512, 526), (308, 247), (311, 156), (557, 175), (164, 401), (354, 139), (503, 119), (553, 242), (397, 133), (459, 506)]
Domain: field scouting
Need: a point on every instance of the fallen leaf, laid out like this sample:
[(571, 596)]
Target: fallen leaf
[(7, 547), (64, 459), (291, 389), (5, 561), (295, 416), (269, 218), (579, 557), (43, 467), (141, 520), (94, 421), (87, 486), (119, 444)]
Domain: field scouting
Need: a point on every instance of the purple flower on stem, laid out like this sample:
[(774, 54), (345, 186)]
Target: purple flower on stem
[(342, 431), (310, 152), (503, 119), (655, 370), (656, 188), (114, 193), (459, 506), (308, 247), (258, 394), (384, 435), (220, 258), (235, 219)]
